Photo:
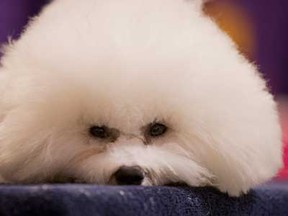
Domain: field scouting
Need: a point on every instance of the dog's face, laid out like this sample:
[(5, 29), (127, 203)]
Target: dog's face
[(138, 132), (135, 133), (146, 97)]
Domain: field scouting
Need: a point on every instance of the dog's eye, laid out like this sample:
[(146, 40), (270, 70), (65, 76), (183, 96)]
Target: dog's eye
[(99, 132), (157, 129)]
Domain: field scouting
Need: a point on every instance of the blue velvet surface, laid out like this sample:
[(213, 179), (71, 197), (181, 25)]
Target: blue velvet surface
[(269, 199)]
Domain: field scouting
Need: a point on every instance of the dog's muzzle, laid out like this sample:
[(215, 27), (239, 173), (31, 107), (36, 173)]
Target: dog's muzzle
[(129, 175)]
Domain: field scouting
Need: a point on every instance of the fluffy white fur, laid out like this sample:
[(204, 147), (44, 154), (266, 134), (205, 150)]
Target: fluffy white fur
[(125, 64)]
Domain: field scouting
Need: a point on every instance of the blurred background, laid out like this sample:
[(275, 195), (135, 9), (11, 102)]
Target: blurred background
[(259, 28)]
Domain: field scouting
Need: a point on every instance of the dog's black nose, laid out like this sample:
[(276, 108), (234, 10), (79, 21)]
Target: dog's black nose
[(129, 175)]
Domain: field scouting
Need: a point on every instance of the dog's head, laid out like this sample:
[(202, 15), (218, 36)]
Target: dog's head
[(109, 133), (126, 92)]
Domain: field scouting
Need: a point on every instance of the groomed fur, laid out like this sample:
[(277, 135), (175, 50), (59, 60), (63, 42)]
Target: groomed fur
[(125, 64)]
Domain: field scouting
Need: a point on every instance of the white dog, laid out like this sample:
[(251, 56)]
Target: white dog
[(143, 92)]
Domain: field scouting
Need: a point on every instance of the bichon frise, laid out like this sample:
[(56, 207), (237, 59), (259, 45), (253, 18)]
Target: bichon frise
[(142, 92)]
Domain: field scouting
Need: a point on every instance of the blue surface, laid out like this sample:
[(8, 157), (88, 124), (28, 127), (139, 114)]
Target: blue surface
[(270, 199)]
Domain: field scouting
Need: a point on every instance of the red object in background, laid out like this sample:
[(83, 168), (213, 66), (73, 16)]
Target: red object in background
[(284, 172), (283, 110)]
